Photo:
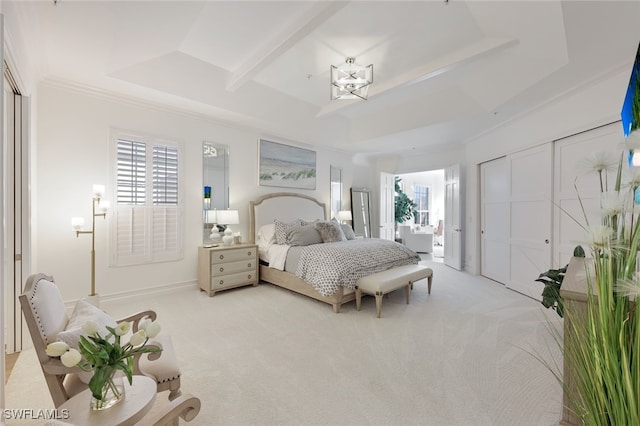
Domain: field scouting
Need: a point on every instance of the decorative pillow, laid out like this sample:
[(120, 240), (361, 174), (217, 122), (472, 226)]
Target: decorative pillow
[(303, 236), (281, 229), (330, 232), (348, 231), (83, 312), (305, 222)]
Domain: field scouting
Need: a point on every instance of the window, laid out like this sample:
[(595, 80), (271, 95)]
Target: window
[(421, 198), (147, 222)]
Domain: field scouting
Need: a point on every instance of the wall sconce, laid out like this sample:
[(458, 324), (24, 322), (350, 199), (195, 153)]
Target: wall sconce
[(228, 217), (78, 224)]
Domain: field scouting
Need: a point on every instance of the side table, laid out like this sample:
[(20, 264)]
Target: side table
[(138, 400)]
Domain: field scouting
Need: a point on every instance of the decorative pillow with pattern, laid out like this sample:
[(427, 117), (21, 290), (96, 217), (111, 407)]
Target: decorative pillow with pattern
[(330, 231), (348, 231), (303, 236), (281, 229)]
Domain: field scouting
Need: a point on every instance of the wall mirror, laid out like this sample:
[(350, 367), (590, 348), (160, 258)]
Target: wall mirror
[(336, 190), (215, 182), (360, 212)]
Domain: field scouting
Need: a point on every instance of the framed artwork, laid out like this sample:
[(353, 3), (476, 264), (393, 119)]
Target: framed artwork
[(287, 166)]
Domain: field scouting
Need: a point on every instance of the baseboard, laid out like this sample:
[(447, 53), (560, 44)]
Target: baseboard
[(144, 293)]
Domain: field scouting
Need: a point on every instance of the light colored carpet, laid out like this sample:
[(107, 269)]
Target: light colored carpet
[(265, 356)]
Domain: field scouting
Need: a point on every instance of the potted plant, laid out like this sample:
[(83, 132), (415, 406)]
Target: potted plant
[(601, 339)]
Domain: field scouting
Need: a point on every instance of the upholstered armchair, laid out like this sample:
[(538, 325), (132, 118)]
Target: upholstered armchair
[(420, 242), (47, 320)]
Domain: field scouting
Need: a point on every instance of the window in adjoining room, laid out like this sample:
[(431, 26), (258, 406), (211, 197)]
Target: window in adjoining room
[(421, 198), (147, 222)]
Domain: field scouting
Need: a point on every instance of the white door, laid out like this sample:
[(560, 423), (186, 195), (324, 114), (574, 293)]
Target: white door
[(530, 212), (494, 220), (387, 210), (569, 182), (452, 218)]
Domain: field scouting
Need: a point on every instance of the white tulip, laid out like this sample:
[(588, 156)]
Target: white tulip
[(123, 328), (142, 325), (71, 358), (57, 348), (138, 338), (90, 328), (152, 329)]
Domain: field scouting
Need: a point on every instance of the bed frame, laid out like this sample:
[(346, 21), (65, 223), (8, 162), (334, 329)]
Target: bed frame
[(288, 206)]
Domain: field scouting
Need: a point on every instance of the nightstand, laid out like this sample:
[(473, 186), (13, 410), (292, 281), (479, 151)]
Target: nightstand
[(225, 267)]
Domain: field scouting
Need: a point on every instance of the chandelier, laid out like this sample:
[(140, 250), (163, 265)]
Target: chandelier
[(350, 80)]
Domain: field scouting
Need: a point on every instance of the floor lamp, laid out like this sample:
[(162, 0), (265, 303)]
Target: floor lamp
[(78, 224)]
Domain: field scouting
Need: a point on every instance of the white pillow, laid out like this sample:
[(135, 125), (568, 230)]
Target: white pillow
[(83, 312), (267, 233)]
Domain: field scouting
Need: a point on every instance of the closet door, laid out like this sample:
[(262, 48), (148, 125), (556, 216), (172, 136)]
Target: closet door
[(570, 181), (494, 217), (530, 213)]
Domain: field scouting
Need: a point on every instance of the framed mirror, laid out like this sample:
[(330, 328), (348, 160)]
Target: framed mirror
[(336, 190), (360, 212), (215, 182)]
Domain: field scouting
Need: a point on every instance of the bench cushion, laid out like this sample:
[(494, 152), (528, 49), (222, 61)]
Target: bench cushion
[(393, 279)]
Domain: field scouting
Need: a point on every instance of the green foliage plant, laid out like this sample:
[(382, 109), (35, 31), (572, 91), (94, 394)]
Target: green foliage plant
[(405, 207)]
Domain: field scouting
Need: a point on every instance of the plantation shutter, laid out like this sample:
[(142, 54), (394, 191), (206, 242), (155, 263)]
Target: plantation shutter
[(165, 239), (132, 166), (165, 175), (147, 218)]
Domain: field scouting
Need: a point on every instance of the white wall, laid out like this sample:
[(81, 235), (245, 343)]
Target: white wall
[(592, 106), (72, 154), (582, 109)]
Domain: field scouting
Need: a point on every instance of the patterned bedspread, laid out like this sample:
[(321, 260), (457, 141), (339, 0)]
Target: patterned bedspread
[(328, 266)]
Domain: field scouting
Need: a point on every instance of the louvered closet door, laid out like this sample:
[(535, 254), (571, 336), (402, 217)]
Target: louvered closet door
[(530, 213)]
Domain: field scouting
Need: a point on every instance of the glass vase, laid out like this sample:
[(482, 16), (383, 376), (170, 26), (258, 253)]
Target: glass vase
[(112, 391)]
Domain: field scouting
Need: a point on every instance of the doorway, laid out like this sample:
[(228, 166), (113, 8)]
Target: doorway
[(427, 190), (14, 207)]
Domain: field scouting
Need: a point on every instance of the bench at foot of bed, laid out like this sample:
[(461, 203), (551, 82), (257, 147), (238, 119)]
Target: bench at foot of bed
[(392, 279)]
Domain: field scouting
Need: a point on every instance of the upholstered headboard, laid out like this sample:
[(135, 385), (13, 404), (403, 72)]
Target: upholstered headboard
[(284, 206)]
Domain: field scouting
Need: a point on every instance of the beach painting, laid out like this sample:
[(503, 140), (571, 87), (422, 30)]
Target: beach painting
[(287, 166)]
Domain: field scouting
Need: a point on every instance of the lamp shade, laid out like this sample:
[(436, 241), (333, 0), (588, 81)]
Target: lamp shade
[(211, 216), (228, 217), (344, 215)]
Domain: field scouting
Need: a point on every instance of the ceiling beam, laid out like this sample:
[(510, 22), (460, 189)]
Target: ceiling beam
[(272, 49), (445, 63)]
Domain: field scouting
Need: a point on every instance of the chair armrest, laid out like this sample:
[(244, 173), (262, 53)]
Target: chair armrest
[(137, 317), (56, 367), (186, 406), (152, 356)]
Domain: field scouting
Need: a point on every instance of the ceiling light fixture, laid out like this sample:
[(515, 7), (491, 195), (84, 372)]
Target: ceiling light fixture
[(350, 80)]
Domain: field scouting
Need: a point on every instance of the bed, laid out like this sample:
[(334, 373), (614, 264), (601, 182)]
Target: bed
[(290, 207)]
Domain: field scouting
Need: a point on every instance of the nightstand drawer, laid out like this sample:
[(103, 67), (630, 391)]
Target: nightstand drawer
[(219, 269), (233, 279), (233, 255)]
